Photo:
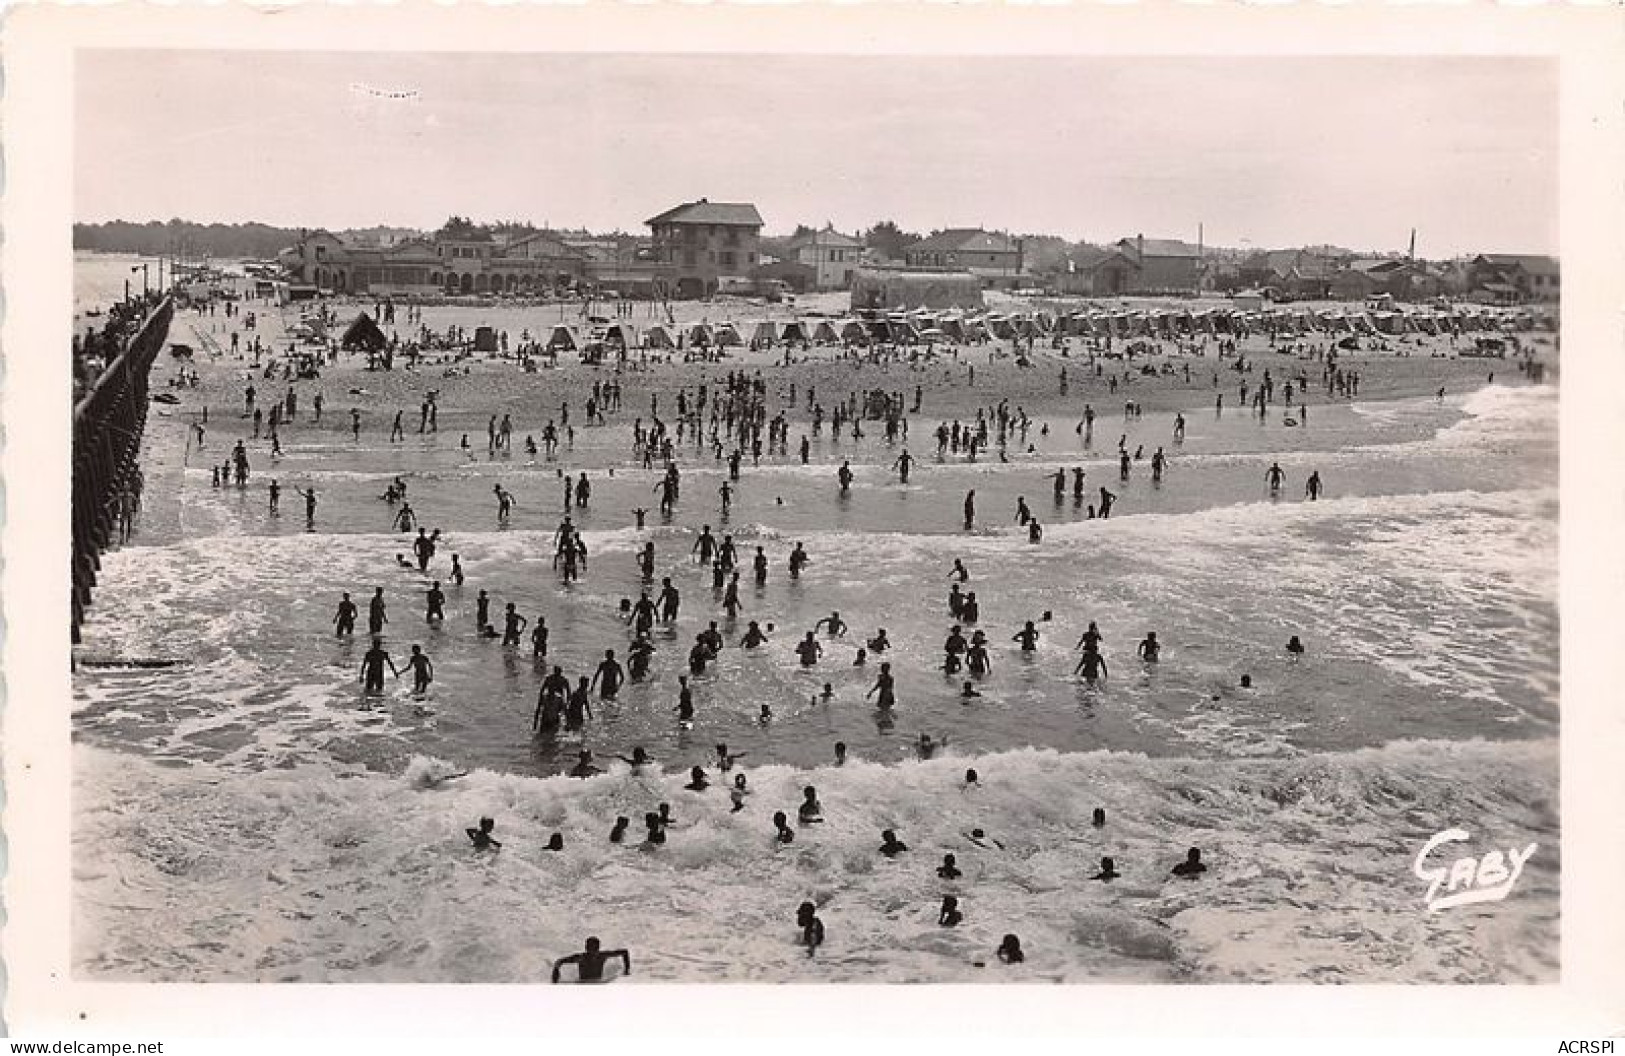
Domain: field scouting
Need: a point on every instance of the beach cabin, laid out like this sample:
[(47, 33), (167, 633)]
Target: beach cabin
[(657, 336), (363, 335), (825, 333), (853, 331), (726, 335), (562, 339), (700, 336), (763, 334), (795, 331)]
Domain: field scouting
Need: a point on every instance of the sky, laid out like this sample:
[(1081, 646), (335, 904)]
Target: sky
[(1262, 152)]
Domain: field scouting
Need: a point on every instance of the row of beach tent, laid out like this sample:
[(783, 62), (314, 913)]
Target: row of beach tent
[(927, 327)]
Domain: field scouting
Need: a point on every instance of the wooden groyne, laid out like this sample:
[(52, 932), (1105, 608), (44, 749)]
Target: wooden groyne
[(107, 426)]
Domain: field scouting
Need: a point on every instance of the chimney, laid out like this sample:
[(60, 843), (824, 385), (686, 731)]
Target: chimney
[(1139, 248)]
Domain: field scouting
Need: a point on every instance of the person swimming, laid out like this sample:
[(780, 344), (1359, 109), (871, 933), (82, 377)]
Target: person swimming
[(812, 929), (840, 753), (639, 758), (949, 915), (738, 793), (811, 811), (879, 643), (1149, 648), (1294, 646), (482, 838), (555, 843), (584, 767), (696, 780), (726, 759), (890, 845), (1009, 950), (781, 828), (968, 691), (948, 870), (590, 962), (618, 833), (1108, 871), (656, 829), (971, 778), (1098, 818), (1192, 865)]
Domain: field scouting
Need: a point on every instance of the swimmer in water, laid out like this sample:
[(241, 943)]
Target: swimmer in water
[(1098, 818), (781, 828), (1294, 646), (696, 780), (584, 767), (554, 843), (1009, 950), (958, 571), (840, 753), (810, 812), (482, 838), (765, 716), (738, 793), (656, 832), (639, 758), (949, 916), (1246, 681), (948, 870), (890, 845), (618, 833), (968, 692), (977, 836), (879, 643), (1192, 865), (971, 778), (812, 929), (726, 759), (1108, 871), (590, 962), (1149, 648)]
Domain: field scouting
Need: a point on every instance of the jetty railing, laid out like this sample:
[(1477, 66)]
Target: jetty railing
[(107, 426)]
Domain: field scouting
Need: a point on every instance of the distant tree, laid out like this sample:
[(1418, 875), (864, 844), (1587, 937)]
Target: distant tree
[(889, 239)]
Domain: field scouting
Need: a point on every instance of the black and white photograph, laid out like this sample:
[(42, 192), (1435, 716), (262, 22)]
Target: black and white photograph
[(639, 516)]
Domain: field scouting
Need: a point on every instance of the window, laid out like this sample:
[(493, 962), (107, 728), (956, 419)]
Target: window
[(728, 260), (688, 258)]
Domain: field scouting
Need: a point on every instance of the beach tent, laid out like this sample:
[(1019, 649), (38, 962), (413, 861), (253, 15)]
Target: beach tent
[(657, 336), (853, 330), (363, 334), (562, 338), (764, 333), (727, 335), (905, 333), (953, 327), (622, 334), (1001, 326), (794, 330), (825, 333), (700, 336)]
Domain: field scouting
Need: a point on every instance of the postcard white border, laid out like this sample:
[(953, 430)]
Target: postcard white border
[(42, 999)]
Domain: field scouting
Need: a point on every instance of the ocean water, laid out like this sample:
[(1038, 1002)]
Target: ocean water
[(248, 815)]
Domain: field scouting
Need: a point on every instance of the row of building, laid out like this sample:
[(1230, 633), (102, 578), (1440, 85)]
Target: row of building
[(701, 248)]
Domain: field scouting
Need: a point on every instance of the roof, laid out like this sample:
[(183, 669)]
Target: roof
[(827, 237), (726, 214), (562, 248), (964, 240), (1161, 247), (1531, 263), (1089, 258), (1370, 264)]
